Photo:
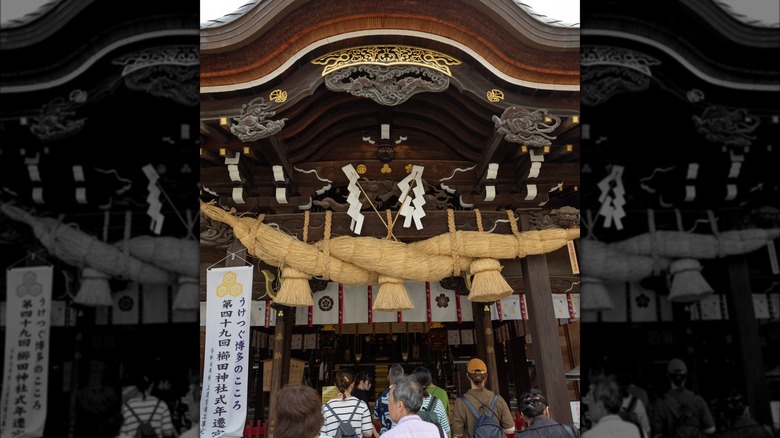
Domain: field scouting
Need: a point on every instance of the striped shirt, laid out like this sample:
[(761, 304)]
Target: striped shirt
[(361, 421), (143, 408), (438, 409)]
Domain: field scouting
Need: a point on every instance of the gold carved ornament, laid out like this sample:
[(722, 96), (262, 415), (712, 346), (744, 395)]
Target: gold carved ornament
[(386, 55)]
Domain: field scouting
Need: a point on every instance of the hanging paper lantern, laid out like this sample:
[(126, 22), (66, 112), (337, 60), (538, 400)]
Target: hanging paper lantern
[(688, 285), (594, 295), (488, 284), (188, 295), (295, 290), (392, 295), (94, 290)]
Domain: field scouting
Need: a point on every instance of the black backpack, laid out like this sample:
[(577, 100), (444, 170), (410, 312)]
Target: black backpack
[(145, 428), (686, 420), (427, 414), (345, 429), (485, 426), (628, 414)]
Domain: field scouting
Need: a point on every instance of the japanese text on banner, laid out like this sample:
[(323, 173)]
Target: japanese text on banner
[(25, 374), (225, 375)]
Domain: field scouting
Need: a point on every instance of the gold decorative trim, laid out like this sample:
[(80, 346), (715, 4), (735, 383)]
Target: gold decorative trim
[(361, 168), (386, 55)]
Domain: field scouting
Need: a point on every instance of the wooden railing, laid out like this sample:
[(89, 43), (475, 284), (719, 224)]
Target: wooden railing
[(256, 429)]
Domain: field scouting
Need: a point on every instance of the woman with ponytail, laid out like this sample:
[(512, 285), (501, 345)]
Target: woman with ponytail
[(346, 407)]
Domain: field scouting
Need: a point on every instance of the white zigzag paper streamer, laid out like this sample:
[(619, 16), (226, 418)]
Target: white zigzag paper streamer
[(612, 200), (153, 198), (411, 208), (353, 199)]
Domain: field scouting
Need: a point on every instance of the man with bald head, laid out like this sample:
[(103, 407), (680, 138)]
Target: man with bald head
[(680, 412)]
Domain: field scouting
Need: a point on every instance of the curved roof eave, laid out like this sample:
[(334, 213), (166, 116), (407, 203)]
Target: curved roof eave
[(301, 53), (248, 22)]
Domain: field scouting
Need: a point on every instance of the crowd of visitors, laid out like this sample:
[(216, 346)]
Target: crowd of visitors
[(615, 405), (411, 407)]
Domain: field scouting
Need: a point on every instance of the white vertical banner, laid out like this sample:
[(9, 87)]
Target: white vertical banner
[(443, 305), (643, 303), (511, 308), (355, 304), (617, 293), (382, 316), (561, 306), (26, 360), (326, 305), (416, 291), (223, 401), (258, 314), (709, 308), (761, 306), (126, 306)]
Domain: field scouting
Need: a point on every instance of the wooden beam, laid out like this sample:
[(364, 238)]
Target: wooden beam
[(281, 156), (213, 133), (435, 224), (489, 154), (544, 332)]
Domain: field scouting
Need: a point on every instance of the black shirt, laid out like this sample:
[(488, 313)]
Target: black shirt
[(362, 395)]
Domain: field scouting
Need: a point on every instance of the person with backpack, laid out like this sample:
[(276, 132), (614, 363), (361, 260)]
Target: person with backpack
[(680, 413), (740, 425), (432, 409), (381, 410), (146, 416), (633, 408), (536, 413), (479, 413), (98, 413), (604, 400), (346, 416), (406, 399)]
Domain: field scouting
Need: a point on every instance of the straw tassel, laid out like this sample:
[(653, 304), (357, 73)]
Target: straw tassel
[(488, 284), (392, 295), (594, 295), (688, 285), (295, 290), (188, 296), (94, 290)]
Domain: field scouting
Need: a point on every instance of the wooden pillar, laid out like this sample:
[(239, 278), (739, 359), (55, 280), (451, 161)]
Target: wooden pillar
[(259, 393), (503, 372), (289, 317), (285, 319), (743, 319), (518, 360), (572, 344), (483, 326), (544, 332)]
